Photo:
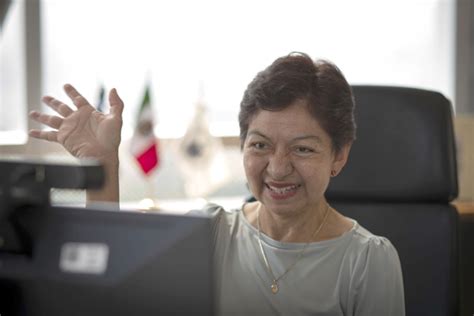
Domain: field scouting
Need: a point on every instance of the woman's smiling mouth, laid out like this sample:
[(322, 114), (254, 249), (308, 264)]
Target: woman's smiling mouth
[(282, 191)]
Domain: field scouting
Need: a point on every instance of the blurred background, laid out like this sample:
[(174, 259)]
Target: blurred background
[(196, 59)]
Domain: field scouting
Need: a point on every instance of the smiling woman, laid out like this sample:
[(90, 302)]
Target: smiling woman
[(297, 127), (289, 252), (288, 168)]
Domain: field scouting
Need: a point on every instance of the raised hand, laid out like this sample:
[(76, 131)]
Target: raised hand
[(84, 132)]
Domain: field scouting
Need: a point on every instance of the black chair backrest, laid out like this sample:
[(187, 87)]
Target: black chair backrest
[(398, 182), (466, 264)]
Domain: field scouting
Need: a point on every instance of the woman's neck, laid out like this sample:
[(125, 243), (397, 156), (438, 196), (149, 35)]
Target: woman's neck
[(300, 227)]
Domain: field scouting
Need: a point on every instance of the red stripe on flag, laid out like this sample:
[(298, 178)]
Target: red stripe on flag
[(149, 159)]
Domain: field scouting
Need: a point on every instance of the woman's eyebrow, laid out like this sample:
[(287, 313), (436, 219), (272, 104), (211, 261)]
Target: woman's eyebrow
[(310, 137), (296, 139), (257, 133)]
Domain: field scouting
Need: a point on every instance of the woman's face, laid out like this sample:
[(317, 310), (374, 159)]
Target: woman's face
[(288, 159)]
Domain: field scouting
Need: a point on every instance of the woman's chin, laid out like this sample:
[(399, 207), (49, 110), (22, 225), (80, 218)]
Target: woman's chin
[(281, 205)]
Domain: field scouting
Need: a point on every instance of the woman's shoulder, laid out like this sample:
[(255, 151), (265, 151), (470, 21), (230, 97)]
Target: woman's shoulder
[(376, 274), (217, 213), (365, 238), (370, 249)]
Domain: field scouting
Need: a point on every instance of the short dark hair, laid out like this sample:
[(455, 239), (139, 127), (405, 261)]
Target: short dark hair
[(296, 77)]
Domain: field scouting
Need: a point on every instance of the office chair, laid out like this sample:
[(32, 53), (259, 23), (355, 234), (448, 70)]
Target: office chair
[(466, 264), (399, 180)]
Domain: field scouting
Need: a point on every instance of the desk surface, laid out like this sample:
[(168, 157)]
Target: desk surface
[(464, 207)]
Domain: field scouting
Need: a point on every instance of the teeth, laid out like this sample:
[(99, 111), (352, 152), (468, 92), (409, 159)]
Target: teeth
[(283, 190)]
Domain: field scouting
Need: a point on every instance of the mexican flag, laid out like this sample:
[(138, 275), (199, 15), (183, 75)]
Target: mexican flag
[(144, 145)]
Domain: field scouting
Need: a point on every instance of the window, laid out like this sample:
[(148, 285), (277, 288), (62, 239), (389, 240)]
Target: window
[(186, 47), (12, 77), (212, 49)]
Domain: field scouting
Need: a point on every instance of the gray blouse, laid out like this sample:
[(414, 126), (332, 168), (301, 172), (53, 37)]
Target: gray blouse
[(357, 273)]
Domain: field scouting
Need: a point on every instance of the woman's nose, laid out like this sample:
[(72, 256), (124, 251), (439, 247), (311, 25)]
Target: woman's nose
[(279, 165)]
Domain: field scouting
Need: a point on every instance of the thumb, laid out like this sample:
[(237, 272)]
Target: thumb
[(116, 104)]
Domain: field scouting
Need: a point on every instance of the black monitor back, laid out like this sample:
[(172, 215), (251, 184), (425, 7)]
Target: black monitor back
[(155, 264)]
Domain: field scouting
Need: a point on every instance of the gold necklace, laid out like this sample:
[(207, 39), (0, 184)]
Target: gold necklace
[(274, 286)]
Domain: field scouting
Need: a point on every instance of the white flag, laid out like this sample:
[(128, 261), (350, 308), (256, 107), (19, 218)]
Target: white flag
[(201, 157)]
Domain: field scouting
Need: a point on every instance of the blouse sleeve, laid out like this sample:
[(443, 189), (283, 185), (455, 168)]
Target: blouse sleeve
[(378, 280), (219, 224)]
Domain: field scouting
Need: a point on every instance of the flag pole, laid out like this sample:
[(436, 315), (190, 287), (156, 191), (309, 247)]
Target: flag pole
[(151, 194)]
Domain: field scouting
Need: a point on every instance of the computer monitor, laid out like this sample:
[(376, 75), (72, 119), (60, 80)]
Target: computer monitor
[(78, 261)]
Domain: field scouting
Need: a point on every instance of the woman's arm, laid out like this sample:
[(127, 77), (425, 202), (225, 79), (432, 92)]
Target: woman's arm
[(378, 281), (110, 191), (86, 133)]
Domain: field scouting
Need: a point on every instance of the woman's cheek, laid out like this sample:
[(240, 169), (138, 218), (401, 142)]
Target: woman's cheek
[(254, 166)]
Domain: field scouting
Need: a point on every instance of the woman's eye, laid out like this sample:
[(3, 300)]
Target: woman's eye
[(258, 145), (304, 150)]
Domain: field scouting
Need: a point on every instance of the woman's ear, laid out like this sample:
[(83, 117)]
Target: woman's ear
[(340, 159)]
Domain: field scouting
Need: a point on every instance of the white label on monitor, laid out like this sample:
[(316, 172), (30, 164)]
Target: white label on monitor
[(88, 258)]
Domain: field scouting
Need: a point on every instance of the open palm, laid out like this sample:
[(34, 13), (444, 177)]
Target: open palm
[(85, 132)]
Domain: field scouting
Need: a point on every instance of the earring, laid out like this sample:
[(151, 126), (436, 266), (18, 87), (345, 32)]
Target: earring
[(333, 173)]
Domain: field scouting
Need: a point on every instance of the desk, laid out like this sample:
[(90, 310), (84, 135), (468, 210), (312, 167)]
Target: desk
[(464, 207)]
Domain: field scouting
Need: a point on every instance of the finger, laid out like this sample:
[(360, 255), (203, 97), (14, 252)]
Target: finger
[(75, 96), (116, 103), (57, 106), (51, 136), (49, 120)]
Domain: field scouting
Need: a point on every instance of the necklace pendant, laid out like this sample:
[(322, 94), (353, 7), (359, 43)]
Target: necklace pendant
[(274, 287)]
